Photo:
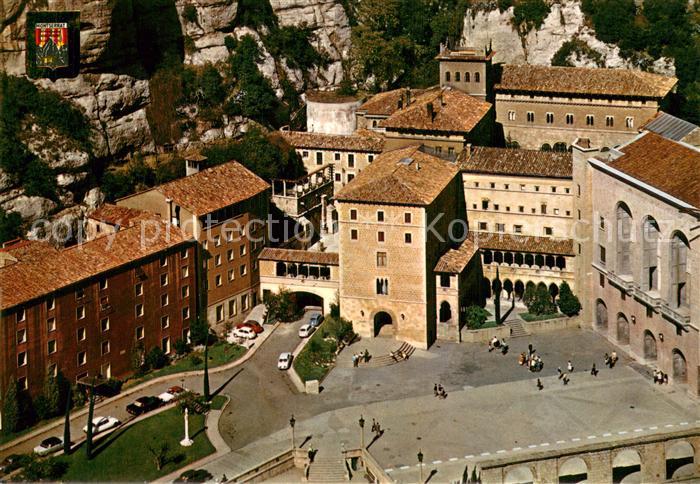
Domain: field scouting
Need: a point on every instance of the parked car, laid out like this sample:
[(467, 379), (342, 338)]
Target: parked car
[(100, 424), (13, 462), (257, 329), (49, 445), (245, 333), (306, 330), (142, 405), (284, 362), (316, 320), (171, 394)]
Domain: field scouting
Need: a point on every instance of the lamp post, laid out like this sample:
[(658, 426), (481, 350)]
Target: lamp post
[(362, 432), (420, 465), (186, 442), (292, 421)]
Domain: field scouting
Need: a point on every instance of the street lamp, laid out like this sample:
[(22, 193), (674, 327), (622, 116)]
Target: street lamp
[(362, 432), (420, 464), (292, 421)]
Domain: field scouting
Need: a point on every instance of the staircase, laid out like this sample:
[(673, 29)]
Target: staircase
[(517, 329), (386, 360), (327, 469)]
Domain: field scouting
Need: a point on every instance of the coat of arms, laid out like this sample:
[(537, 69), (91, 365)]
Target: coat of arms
[(51, 45)]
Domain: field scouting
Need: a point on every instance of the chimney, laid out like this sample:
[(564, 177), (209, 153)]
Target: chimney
[(431, 111), (469, 149), (400, 103), (417, 166), (442, 99)]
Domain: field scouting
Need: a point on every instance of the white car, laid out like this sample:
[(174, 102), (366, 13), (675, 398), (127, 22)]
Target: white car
[(100, 424), (51, 444), (171, 394), (285, 361), (245, 333), (306, 330)]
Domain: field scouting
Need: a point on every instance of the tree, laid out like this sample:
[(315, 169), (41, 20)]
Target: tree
[(156, 358), (497, 287), (199, 331), (529, 294), (568, 301), (475, 317), (542, 302), (159, 452), (10, 409), (52, 392), (10, 225), (282, 306), (138, 358)]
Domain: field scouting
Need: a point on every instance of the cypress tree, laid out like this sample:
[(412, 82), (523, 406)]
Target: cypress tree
[(10, 409)]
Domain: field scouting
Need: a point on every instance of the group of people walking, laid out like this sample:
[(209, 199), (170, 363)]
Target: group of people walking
[(357, 357), (531, 360), (496, 344), (439, 391), (660, 377)]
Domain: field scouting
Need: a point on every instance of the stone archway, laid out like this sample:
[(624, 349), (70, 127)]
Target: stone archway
[(572, 470), (445, 312), (623, 330), (383, 323), (680, 367), (649, 346), (519, 289), (601, 315), (519, 475), (680, 460), (627, 466)]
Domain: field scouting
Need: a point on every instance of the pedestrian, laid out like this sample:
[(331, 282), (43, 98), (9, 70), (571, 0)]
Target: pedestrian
[(379, 430), (374, 426), (529, 350), (366, 356), (665, 378), (607, 360), (565, 379), (594, 370), (354, 360), (569, 366), (540, 386), (613, 358), (504, 346), (561, 373), (435, 389)]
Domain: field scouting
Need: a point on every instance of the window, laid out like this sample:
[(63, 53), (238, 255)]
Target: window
[(351, 160), (447, 76), (543, 208), (353, 234), (217, 260), (51, 324), (458, 77), (164, 322), (51, 303), (104, 324), (231, 275), (244, 302), (382, 286), (679, 271), (336, 156), (476, 184), (23, 383), (337, 177), (650, 256), (164, 261), (550, 118), (104, 347), (380, 236), (165, 345), (407, 217), (319, 158), (496, 206), (229, 236), (548, 231), (205, 245), (163, 280), (609, 121), (138, 289), (370, 158), (229, 254), (381, 259), (184, 254), (601, 254), (232, 308), (351, 177), (537, 188), (466, 77), (492, 185), (82, 358), (444, 280), (139, 332), (380, 216), (79, 293), (52, 369), (554, 189), (219, 312), (624, 233), (22, 358), (81, 334), (483, 226), (163, 300), (103, 284), (590, 120), (185, 291), (511, 115), (477, 77), (243, 270), (629, 122), (602, 223), (21, 336), (530, 117), (506, 186), (305, 154), (521, 209), (484, 205), (522, 187), (139, 310), (407, 237), (217, 280), (185, 271), (517, 229), (556, 211), (186, 313), (353, 214), (80, 312), (217, 241), (569, 118)]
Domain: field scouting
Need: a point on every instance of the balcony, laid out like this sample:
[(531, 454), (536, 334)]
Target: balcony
[(679, 316), (298, 197), (626, 283), (653, 300)]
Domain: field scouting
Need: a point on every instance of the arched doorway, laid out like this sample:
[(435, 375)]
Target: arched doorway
[(508, 287), (305, 299), (623, 330), (383, 323), (519, 289), (554, 292), (486, 287), (573, 470), (519, 475), (649, 346), (445, 312), (627, 466), (680, 367), (601, 314), (680, 460)]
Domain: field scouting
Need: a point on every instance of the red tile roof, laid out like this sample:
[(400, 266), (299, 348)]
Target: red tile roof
[(387, 103), (509, 161), (455, 260), (523, 243), (117, 215), (671, 167), (302, 256), (361, 141)]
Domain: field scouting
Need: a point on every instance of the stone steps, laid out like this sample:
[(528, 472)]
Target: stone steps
[(327, 470), (517, 329), (386, 360)]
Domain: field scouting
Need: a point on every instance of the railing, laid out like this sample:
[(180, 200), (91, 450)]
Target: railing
[(674, 315), (621, 282)]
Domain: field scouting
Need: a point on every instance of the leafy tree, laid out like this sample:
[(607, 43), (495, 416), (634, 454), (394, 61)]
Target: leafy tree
[(568, 301), (529, 294), (530, 14), (159, 452), (50, 469), (293, 43), (254, 14), (199, 330), (282, 306), (189, 13), (542, 302), (10, 225), (475, 316), (10, 409), (181, 347), (156, 358)]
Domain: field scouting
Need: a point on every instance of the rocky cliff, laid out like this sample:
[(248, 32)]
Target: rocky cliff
[(121, 43)]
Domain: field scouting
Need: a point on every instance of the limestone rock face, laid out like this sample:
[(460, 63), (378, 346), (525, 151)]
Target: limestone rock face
[(93, 199), (30, 208)]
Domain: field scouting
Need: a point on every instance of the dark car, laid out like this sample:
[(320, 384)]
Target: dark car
[(143, 405)]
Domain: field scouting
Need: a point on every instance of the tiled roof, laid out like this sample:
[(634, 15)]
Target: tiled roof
[(28, 249), (669, 126), (671, 167), (302, 256), (406, 176), (387, 103), (455, 260), (38, 276), (116, 215), (583, 80), (330, 97), (465, 54), (523, 243), (362, 140), (510, 161), (214, 188), (453, 111)]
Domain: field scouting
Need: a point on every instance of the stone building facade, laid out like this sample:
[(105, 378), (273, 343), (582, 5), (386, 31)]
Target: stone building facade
[(468, 69)]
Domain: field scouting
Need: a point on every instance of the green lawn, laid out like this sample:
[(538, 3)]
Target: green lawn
[(217, 403), (315, 360), (539, 317), (488, 324), (124, 455), (220, 353)]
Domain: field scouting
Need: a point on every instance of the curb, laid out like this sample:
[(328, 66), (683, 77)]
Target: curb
[(175, 376)]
